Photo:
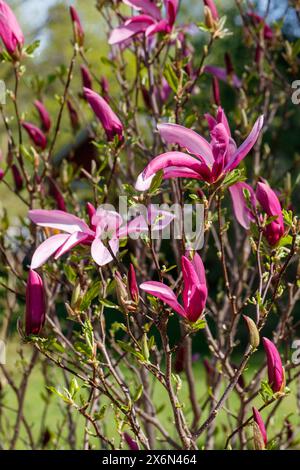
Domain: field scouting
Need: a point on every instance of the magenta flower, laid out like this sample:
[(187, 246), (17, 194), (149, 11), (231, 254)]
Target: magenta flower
[(86, 77), (44, 115), (275, 369), (132, 284), (269, 203), (105, 225), (211, 5), (148, 22), (222, 74), (1, 174), (35, 304), (194, 293), (10, 31), (210, 161), (78, 29), (259, 421), (109, 120), (36, 135)]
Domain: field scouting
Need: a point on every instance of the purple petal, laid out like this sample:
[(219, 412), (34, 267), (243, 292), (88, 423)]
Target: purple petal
[(172, 159), (129, 29), (74, 239), (240, 208), (187, 138), (161, 26), (59, 220), (221, 74), (146, 6), (258, 419), (165, 294), (101, 254), (47, 249), (246, 146)]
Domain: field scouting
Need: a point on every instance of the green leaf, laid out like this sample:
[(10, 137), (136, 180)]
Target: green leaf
[(156, 182), (90, 295), (29, 50), (171, 77), (109, 304), (70, 273), (138, 393)]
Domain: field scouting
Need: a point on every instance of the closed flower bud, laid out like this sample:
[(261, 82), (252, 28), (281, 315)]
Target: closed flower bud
[(86, 77), (18, 180), (132, 284), (10, 31), (44, 115), (77, 27), (73, 115), (276, 374), (109, 120), (253, 332), (210, 4), (260, 441), (36, 135), (130, 442), (216, 91), (1, 174), (208, 18), (57, 195), (35, 304)]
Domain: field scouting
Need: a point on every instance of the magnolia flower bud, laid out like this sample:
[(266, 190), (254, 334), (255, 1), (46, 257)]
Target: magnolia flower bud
[(253, 332), (36, 135), (18, 180), (132, 284), (10, 31), (35, 304), (130, 442), (77, 27)]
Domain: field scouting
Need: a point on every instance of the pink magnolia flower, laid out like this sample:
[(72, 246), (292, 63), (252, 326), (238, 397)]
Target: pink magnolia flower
[(259, 421), (211, 5), (269, 203), (275, 369), (36, 135), (109, 120), (44, 115), (222, 74), (148, 22), (194, 290), (35, 304), (210, 161), (78, 29), (10, 31), (86, 77), (104, 225)]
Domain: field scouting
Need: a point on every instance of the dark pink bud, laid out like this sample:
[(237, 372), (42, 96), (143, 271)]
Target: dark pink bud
[(105, 88), (18, 180), (44, 115), (36, 135), (275, 369), (216, 91), (272, 207), (130, 442), (259, 421), (73, 115), (57, 195), (132, 284), (86, 77), (35, 304), (228, 64), (109, 120), (77, 26), (211, 5), (10, 31), (180, 359), (1, 174)]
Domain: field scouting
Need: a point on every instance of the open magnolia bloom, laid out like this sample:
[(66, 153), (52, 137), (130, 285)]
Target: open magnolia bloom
[(194, 293), (269, 203), (148, 22), (106, 229), (210, 161)]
